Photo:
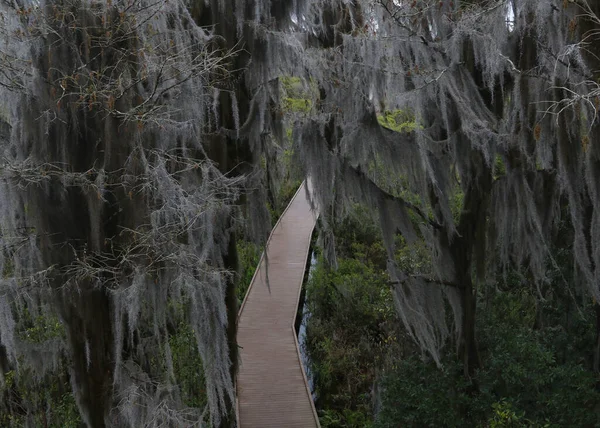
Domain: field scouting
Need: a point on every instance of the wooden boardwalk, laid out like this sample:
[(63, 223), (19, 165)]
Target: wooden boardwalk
[(271, 384)]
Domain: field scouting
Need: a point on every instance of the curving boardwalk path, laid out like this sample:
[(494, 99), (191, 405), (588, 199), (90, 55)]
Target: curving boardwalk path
[(271, 383)]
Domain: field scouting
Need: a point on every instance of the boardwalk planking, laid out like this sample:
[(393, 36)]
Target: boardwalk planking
[(271, 384)]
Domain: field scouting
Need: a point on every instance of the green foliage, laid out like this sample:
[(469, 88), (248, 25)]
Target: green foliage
[(414, 258), (398, 120), (523, 382), (49, 402), (535, 354), (351, 328), (345, 418), (456, 203), (67, 413), (8, 268), (287, 190), (416, 393), (298, 95), (297, 105), (499, 167), (289, 174), (292, 85), (187, 367), (297, 87), (390, 181), (505, 417), (249, 256), (41, 328), (404, 121), (359, 237), (524, 365), (44, 402)]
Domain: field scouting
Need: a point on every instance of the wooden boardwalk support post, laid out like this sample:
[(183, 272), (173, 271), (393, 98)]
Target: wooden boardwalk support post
[(272, 388)]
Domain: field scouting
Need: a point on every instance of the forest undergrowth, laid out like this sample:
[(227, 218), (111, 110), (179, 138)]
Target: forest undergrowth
[(536, 349)]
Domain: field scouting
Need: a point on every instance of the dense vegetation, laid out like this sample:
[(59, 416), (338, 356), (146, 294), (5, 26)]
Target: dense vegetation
[(147, 147), (536, 354)]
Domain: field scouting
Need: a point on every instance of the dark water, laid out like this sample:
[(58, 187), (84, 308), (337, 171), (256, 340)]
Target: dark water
[(302, 331)]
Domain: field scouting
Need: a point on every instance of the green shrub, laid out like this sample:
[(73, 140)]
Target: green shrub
[(187, 367), (44, 402), (521, 382), (348, 334), (249, 256), (416, 393)]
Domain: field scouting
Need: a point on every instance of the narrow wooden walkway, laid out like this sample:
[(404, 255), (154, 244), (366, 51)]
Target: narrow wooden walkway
[(271, 384)]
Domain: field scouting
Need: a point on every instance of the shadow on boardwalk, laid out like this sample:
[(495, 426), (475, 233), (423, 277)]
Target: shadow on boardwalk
[(271, 384)]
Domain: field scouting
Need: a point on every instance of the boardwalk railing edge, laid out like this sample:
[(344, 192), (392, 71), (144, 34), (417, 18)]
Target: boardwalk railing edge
[(262, 256), (308, 391), (312, 404)]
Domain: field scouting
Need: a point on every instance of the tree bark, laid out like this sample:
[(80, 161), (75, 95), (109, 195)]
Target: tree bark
[(231, 262), (233, 155), (90, 335), (597, 341), (468, 349), (470, 229)]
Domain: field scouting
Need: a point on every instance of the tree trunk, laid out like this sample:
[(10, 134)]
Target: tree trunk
[(232, 155), (464, 249), (90, 334), (597, 342), (468, 350), (231, 262)]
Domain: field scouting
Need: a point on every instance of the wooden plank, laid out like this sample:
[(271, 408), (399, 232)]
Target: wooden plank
[(272, 388)]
